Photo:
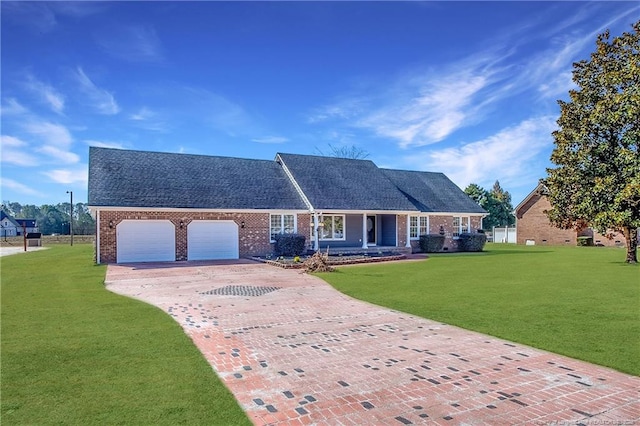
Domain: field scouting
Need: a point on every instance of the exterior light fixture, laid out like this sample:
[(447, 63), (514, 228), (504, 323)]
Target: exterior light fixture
[(242, 224), (111, 224), (181, 224)]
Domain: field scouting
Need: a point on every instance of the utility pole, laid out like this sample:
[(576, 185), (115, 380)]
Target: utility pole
[(71, 217)]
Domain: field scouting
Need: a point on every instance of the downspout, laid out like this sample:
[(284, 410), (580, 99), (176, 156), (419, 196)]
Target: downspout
[(98, 237)]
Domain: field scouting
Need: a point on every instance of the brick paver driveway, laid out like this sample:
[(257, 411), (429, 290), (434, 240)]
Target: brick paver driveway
[(294, 351)]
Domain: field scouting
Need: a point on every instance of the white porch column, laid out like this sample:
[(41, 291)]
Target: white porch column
[(364, 231), (316, 243), (409, 231)]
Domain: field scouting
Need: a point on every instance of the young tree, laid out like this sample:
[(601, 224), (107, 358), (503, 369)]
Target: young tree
[(597, 178), (496, 202), (501, 208)]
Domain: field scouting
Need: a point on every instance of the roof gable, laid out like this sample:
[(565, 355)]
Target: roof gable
[(331, 183), (533, 197), (432, 192), (122, 178)]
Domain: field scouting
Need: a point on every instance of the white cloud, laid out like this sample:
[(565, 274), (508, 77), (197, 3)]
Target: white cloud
[(46, 93), (504, 156), (58, 155), (19, 187), (52, 134), (16, 151), (422, 107), (143, 114), (148, 119), (11, 106), (435, 108), (101, 100), (104, 144), (270, 139), (136, 43), (68, 176)]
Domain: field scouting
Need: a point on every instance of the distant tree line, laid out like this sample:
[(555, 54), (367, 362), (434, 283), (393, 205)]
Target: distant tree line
[(54, 219), (496, 201)]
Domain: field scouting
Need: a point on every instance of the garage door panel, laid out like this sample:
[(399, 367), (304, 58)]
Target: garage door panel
[(145, 241), (212, 239)]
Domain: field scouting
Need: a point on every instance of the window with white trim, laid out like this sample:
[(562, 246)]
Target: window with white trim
[(418, 225), (332, 227), (460, 225), (282, 224)]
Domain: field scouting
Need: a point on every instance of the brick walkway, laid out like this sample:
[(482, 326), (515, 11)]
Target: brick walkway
[(294, 351)]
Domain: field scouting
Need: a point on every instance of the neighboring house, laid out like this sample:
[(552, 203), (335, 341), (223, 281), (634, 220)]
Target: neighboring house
[(533, 225), (152, 206), (10, 227), (14, 227)]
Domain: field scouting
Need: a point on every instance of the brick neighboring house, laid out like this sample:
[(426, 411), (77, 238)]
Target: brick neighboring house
[(533, 226), (152, 206)]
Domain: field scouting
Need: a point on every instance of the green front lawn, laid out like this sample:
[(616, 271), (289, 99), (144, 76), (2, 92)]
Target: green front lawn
[(75, 353), (583, 302)]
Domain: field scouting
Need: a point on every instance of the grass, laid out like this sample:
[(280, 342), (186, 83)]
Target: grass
[(75, 353), (583, 302)]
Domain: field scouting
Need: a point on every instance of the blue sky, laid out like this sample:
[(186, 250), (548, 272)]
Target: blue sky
[(465, 88)]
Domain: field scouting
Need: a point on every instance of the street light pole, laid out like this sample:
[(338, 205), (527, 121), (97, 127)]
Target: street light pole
[(71, 217)]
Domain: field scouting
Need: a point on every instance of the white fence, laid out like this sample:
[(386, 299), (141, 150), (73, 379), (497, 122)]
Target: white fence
[(504, 235)]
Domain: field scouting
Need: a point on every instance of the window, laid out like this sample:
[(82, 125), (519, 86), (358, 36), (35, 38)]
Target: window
[(332, 227), (418, 225), (460, 225), (282, 224)]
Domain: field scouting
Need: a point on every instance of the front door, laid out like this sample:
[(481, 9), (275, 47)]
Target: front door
[(371, 230)]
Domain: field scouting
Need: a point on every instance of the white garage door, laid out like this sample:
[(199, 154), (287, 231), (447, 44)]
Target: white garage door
[(212, 239), (146, 241)]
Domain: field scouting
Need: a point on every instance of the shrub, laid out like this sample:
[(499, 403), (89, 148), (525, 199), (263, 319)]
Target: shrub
[(471, 242), (585, 241), (431, 243), (289, 244)]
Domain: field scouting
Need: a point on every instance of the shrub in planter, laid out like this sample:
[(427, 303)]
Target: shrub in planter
[(431, 243), (471, 242), (289, 244)]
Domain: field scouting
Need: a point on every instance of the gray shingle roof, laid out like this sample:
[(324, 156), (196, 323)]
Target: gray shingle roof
[(344, 184), (432, 192), (122, 178)]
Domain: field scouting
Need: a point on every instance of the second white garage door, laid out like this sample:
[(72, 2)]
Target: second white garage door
[(212, 239)]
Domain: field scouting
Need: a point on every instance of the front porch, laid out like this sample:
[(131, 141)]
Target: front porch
[(359, 233), (376, 250)]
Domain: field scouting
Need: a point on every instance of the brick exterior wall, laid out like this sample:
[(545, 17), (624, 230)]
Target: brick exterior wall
[(446, 222), (533, 224), (253, 238)]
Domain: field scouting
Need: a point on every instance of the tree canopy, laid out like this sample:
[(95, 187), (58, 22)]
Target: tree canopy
[(497, 202), (54, 219), (596, 181)]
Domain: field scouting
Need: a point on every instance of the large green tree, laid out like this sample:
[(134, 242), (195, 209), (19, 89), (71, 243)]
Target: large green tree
[(496, 202), (596, 181)]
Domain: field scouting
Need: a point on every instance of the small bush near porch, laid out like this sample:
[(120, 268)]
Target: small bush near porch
[(576, 301)]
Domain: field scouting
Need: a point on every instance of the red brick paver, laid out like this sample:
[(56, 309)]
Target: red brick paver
[(296, 352)]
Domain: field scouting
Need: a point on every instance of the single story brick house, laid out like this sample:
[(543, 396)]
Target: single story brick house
[(153, 206), (533, 226)]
